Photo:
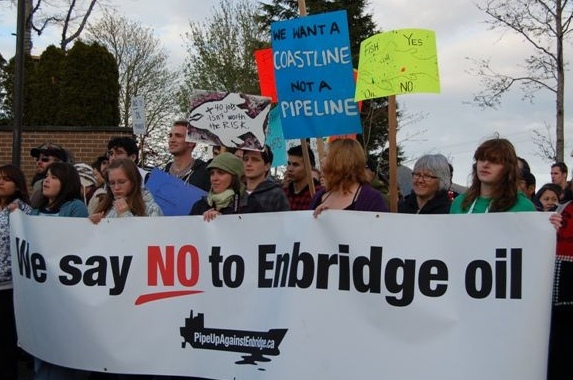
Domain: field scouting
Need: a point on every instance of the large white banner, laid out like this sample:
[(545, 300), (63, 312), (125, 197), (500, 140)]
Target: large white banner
[(350, 295)]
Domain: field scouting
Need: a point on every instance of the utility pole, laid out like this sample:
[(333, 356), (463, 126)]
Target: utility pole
[(19, 85)]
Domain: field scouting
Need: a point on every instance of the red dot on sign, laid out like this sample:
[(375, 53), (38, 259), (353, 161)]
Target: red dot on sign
[(402, 69)]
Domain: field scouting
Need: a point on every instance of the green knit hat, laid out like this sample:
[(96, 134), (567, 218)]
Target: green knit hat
[(229, 163)]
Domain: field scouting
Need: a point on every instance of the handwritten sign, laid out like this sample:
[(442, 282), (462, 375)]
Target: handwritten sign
[(230, 119), (138, 115), (397, 62), (264, 60), (314, 79)]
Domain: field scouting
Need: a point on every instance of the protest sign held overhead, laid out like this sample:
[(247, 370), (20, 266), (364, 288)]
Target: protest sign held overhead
[(138, 115), (230, 119), (264, 59), (275, 139), (398, 62), (314, 80)]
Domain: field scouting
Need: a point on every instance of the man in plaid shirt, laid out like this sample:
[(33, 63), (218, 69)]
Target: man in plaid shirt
[(297, 190)]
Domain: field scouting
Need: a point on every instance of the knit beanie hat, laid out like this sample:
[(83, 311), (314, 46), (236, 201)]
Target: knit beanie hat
[(229, 163)]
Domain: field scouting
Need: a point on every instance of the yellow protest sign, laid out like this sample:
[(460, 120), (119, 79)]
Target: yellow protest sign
[(398, 62)]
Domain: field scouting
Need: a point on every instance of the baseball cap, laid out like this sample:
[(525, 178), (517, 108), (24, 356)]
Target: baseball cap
[(49, 149)]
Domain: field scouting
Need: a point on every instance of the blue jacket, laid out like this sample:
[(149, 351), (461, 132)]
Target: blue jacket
[(74, 208)]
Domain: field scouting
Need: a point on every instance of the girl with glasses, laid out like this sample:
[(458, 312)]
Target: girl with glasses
[(125, 196)]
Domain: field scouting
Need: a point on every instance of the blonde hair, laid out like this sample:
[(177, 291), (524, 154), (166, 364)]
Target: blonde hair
[(345, 165)]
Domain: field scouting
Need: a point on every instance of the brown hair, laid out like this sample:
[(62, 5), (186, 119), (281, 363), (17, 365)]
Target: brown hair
[(135, 198), (345, 165), (14, 174), (70, 185), (499, 151)]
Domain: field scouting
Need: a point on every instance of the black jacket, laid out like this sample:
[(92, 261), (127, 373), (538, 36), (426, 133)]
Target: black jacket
[(270, 196), (245, 205), (439, 204), (198, 175)]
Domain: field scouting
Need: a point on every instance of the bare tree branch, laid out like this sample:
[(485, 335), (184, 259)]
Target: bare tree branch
[(76, 34), (545, 25)]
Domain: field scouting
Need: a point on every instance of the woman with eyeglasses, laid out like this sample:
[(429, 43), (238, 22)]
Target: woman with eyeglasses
[(125, 196), (346, 185), (13, 195), (431, 180), (495, 181)]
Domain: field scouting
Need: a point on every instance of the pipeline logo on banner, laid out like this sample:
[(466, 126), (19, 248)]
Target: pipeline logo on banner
[(314, 76), (255, 343)]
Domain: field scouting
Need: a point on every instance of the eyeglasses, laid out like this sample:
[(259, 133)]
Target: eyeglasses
[(424, 177), (118, 183), (44, 159)]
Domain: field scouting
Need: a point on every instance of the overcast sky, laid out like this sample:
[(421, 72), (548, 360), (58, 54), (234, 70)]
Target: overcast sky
[(449, 127)]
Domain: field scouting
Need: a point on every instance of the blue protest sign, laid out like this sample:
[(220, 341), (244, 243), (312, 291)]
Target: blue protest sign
[(314, 76), (174, 196)]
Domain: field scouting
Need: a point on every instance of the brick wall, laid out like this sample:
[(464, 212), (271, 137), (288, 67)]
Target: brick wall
[(85, 143)]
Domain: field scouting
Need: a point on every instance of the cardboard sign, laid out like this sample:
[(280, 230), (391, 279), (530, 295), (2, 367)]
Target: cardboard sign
[(230, 119), (314, 77), (398, 62)]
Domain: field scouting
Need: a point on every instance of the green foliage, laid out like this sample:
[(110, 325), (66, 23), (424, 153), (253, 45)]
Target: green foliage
[(47, 86), (74, 88), (221, 51), (8, 77), (90, 87)]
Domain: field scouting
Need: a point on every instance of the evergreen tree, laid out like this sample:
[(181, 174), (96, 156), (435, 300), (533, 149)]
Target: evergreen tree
[(46, 89), (90, 87), (75, 88), (7, 85)]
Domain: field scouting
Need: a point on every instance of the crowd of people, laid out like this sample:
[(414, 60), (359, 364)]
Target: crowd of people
[(239, 181)]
